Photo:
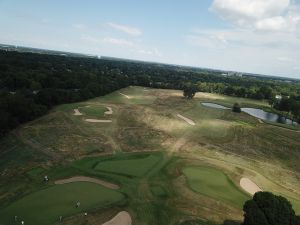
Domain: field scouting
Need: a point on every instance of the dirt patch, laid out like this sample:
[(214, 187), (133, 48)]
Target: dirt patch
[(122, 218), (189, 121), (249, 186), (77, 112), (109, 111), (126, 96), (98, 121), (88, 179)]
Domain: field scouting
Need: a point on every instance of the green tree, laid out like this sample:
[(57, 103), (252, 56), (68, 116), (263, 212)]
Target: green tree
[(236, 108), (189, 91), (268, 209)]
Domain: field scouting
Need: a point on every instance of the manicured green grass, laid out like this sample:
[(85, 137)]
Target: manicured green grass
[(215, 184), (46, 206), (94, 111), (136, 167)]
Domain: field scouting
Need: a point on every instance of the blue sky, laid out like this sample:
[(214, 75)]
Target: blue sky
[(259, 36)]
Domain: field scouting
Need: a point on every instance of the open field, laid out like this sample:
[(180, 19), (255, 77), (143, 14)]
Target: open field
[(161, 163)]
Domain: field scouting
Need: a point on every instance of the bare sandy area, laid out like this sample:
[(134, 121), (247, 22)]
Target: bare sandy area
[(126, 96), (88, 179), (109, 112), (260, 121), (189, 121), (249, 186), (77, 112), (122, 218), (98, 121)]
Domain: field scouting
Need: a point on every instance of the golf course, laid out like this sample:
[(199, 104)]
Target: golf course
[(145, 156)]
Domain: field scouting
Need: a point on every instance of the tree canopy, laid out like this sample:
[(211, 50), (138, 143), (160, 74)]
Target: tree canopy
[(268, 209), (236, 108), (189, 91)]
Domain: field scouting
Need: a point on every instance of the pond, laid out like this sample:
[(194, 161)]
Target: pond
[(258, 113), (213, 105), (272, 117)]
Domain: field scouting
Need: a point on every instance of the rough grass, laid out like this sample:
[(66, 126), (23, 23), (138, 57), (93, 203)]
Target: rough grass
[(215, 184), (46, 206), (36, 171)]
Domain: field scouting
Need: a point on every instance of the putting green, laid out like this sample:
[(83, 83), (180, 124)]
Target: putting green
[(93, 111), (215, 184), (46, 206), (136, 167)]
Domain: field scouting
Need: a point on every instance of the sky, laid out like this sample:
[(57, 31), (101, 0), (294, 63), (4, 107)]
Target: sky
[(256, 36)]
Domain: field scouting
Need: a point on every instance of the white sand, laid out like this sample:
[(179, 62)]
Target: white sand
[(109, 112), (126, 96), (189, 121), (122, 218), (249, 186), (77, 113), (98, 121), (88, 179)]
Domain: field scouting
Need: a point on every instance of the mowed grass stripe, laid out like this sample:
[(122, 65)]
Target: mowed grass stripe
[(215, 184), (46, 206)]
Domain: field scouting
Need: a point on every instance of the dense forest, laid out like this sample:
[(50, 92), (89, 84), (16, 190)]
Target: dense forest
[(31, 84)]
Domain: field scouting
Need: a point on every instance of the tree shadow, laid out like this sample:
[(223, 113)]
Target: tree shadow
[(231, 222)]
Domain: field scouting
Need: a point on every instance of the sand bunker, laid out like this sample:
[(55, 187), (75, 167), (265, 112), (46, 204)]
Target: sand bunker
[(122, 218), (126, 96), (189, 121), (109, 112), (88, 179), (98, 121), (249, 186), (77, 113)]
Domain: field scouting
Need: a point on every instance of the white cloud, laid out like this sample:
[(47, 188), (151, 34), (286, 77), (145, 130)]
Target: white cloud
[(249, 9), (133, 31), (108, 40), (78, 26), (152, 52), (265, 35), (119, 42), (262, 15)]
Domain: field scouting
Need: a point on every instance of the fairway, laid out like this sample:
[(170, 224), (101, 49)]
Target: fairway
[(46, 206), (135, 167), (131, 95), (215, 184)]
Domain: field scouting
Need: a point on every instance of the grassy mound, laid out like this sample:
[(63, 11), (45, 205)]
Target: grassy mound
[(46, 206), (215, 184)]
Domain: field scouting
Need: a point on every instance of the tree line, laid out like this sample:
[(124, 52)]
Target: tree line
[(31, 84)]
